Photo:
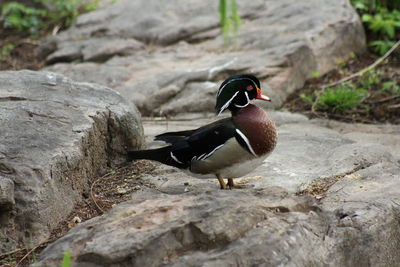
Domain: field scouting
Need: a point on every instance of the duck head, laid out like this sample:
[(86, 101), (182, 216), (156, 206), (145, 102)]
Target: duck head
[(237, 91)]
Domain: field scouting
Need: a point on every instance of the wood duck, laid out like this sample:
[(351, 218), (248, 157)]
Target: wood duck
[(227, 148)]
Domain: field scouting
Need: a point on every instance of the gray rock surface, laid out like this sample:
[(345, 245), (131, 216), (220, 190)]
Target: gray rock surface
[(327, 196), (55, 135), (7, 200), (350, 218), (169, 55)]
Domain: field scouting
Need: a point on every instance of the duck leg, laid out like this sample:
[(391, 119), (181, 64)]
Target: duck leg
[(221, 182), (231, 185)]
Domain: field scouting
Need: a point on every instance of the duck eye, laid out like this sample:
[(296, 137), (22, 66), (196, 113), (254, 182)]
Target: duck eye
[(249, 87)]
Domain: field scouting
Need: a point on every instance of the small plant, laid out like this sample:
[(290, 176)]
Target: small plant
[(384, 23), (381, 46), (91, 6), (21, 17), (391, 87), (229, 19), (66, 259), (307, 98), (341, 66), (369, 79), (339, 99), (65, 11), (315, 74), (382, 19), (6, 50)]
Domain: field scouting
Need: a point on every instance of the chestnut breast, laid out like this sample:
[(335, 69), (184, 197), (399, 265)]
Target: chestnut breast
[(258, 127)]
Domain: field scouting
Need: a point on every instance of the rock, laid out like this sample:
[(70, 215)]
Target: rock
[(7, 200), (384, 134), (170, 56), (351, 220), (198, 222), (56, 134), (94, 49)]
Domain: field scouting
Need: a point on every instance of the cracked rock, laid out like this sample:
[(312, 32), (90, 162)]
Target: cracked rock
[(55, 135), (165, 229)]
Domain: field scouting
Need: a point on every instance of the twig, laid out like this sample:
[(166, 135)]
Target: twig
[(314, 105), (394, 106), (92, 196), (384, 99), (93, 184), (91, 191), (361, 72), (11, 252), (26, 255), (45, 243)]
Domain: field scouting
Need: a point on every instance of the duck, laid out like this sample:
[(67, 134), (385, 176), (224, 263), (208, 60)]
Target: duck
[(224, 149)]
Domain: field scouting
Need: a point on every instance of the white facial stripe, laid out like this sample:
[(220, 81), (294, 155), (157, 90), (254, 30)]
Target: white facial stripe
[(227, 103), (246, 141), (222, 88), (248, 101), (175, 158)]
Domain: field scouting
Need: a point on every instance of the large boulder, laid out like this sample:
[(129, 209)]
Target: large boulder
[(321, 199), (168, 57), (56, 134)]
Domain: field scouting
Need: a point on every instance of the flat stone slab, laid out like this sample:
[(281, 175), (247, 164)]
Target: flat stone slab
[(307, 150), (170, 58), (56, 134), (320, 199)]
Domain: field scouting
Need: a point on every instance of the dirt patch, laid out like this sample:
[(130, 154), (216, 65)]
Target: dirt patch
[(319, 188), (114, 187), (18, 51), (108, 190)]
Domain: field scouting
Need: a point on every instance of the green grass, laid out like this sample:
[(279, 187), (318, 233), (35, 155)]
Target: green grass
[(340, 99)]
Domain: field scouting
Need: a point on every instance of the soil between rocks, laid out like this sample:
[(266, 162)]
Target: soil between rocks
[(103, 192), (23, 55), (379, 107)]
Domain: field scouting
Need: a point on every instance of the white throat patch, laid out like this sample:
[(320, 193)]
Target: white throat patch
[(248, 101)]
